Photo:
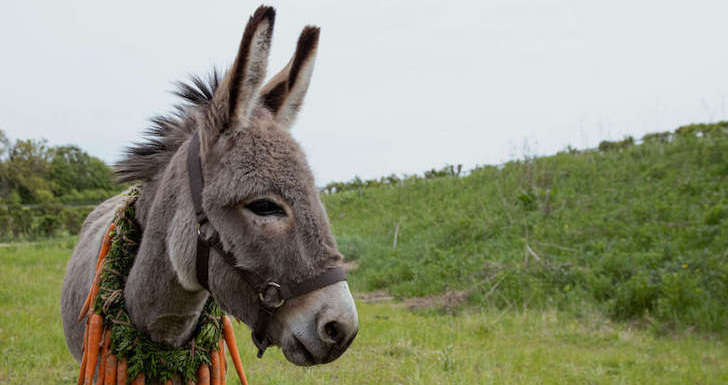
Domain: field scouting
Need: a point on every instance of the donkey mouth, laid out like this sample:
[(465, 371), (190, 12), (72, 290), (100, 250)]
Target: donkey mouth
[(300, 355)]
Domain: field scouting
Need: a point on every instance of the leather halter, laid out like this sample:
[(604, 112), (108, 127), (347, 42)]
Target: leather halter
[(272, 294)]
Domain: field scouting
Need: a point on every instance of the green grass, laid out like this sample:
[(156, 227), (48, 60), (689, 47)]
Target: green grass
[(31, 333), (605, 266), (639, 231), (394, 346)]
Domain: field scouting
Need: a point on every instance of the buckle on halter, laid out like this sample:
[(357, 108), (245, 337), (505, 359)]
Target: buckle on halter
[(277, 287), (201, 220)]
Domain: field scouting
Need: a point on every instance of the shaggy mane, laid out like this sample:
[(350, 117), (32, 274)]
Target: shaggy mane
[(143, 160)]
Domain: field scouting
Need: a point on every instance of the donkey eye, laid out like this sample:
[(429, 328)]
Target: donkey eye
[(265, 207)]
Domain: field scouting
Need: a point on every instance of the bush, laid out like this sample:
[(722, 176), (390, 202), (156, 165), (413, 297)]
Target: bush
[(635, 297), (19, 222)]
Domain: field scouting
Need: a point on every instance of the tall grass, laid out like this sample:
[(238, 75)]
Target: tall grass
[(638, 231)]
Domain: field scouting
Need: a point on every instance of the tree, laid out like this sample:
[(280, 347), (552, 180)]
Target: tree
[(4, 144), (73, 169), (4, 181), (26, 170)]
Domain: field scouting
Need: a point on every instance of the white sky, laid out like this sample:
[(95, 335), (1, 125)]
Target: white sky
[(399, 86)]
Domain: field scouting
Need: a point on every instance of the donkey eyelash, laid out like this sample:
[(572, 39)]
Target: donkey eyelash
[(265, 207)]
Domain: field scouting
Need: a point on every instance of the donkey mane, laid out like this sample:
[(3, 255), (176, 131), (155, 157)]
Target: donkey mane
[(144, 160)]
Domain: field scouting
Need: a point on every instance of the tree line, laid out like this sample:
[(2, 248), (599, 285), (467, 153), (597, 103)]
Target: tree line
[(393, 180), (48, 190)]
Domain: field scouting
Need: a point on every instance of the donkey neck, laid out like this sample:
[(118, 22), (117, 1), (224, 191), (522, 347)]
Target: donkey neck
[(162, 295)]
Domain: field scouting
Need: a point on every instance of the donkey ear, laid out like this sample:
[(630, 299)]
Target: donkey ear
[(234, 97), (283, 94)]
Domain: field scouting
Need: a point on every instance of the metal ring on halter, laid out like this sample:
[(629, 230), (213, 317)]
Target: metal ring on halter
[(278, 287)]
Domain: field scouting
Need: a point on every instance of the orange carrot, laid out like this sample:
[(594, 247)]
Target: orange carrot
[(94, 290), (91, 295), (84, 308), (105, 245), (104, 357), (121, 372), (84, 349), (94, 344), (203, 375), (224, 369), (89, 303), (215, 367), (227, 332), (83, 369), (102, 369), (221, 346), (110, 376), (139, 380)]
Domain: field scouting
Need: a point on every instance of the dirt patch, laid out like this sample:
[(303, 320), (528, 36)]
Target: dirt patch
[(447, 302), (374, 296)]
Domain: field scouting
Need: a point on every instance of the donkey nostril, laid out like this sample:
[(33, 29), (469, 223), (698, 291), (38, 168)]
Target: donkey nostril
[(333, 331)]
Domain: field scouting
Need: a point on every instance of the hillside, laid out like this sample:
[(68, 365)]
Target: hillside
[(639, 231)]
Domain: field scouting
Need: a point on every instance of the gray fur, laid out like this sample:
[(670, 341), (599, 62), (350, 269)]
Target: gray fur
[(243, 158)]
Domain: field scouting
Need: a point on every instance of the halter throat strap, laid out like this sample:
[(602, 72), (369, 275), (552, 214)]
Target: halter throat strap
[(271, 294)]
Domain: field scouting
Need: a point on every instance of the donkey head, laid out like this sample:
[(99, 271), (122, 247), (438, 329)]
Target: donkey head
[(260, 196)]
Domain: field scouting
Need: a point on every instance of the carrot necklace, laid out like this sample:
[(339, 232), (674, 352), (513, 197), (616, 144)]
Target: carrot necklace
[(123, 354)]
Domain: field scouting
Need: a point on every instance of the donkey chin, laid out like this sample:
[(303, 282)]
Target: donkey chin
[(318, 327)]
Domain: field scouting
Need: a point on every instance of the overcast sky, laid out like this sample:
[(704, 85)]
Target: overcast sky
[(399, 86)]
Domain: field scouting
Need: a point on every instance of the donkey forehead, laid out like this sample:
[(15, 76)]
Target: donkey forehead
[(262, 158)]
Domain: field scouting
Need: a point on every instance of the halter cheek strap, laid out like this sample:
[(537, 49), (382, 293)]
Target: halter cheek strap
[(272, 294)]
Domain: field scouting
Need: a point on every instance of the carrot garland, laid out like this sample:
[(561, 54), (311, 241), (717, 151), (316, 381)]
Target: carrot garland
[(122, 352)]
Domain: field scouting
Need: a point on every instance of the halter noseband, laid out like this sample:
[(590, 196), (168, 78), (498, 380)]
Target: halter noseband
[(271, 294)]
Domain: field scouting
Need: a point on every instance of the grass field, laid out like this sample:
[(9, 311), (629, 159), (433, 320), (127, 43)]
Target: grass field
[(394, 346), (639, 231)]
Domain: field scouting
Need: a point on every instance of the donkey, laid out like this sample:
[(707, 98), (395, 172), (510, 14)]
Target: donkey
[(258, 194)]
